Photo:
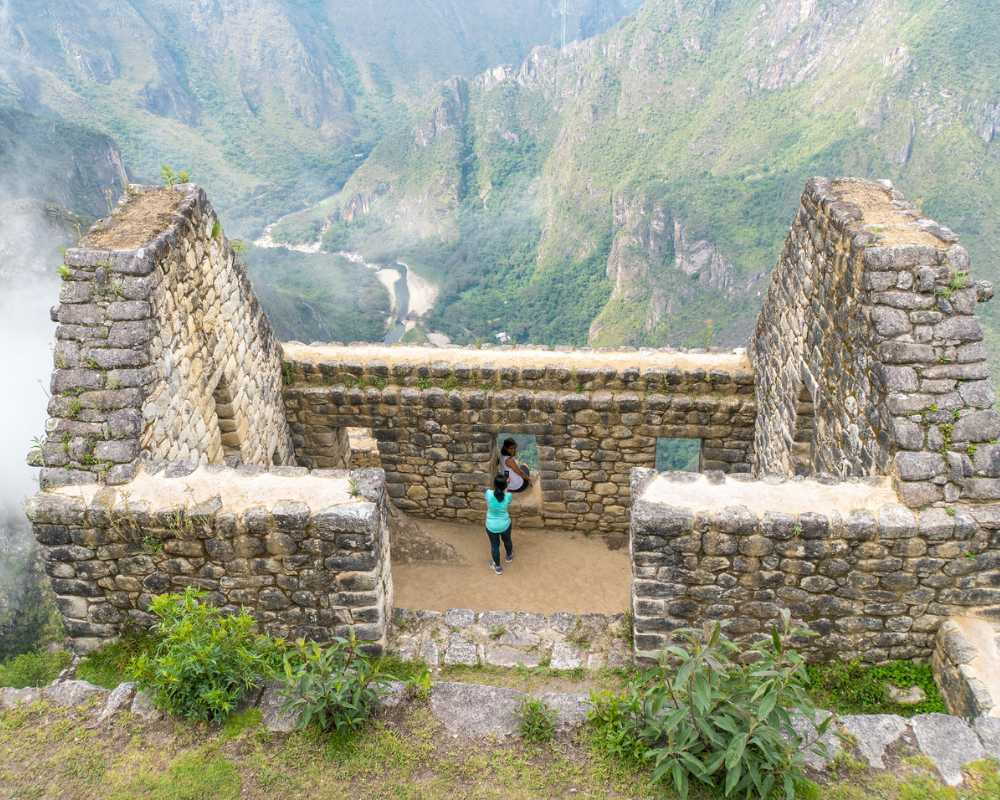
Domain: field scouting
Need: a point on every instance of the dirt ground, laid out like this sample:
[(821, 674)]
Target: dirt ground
[(140, 221), (552, 571)]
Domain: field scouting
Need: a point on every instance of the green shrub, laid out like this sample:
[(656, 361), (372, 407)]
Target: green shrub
[(712, 721), (854, 688), (536, 721), (337, 687), (39, 668), (108, 666), (615, 721), (203, 660)]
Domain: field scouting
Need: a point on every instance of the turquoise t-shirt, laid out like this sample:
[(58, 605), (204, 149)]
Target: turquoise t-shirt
[(497, 518)]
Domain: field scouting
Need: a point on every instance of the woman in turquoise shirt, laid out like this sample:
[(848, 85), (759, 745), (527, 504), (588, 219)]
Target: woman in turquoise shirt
[(498, 522)]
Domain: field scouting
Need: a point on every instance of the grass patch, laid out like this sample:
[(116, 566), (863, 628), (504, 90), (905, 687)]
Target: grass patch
[(855, 688), (107, 666), (39, 668), (201, 774)]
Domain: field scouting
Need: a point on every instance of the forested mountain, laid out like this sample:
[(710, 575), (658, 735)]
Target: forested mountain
[(266, 102), (636, 187)]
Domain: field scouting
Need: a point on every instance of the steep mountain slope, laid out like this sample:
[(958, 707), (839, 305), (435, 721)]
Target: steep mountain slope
[(636, 187), (268, 102)]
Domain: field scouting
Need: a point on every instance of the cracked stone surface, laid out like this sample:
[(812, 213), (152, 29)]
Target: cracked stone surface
[(144, 709), (272, 713), (874, 733), (988, 730), (119, 700), (468, 709), (71, 693), (503, 656), (461, 651), (12, 698), (949, 742), (510, 639)]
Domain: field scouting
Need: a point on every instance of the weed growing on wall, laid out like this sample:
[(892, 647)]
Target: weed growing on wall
[(706, 719)]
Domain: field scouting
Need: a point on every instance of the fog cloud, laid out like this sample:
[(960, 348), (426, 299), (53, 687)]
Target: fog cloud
[(28, 287)]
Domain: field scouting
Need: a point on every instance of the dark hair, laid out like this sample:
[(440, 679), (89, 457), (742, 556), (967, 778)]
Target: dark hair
[(507, 445), (499, 487)]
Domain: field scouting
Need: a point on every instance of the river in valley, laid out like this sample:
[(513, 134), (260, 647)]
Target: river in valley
[(411, 296)]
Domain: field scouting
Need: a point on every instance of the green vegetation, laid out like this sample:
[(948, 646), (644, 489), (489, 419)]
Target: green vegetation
[(38, 668), (853, 688), (712, 721), (204, 660), (318, 297), (51, 754), (335, 687), (171, 178), (108, 666), (536, 721)]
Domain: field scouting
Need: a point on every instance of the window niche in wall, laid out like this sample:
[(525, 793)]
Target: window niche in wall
[(232, 453), (678, 455), (527, 455)]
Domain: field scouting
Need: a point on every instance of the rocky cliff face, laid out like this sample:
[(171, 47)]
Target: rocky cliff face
[(695, 124)]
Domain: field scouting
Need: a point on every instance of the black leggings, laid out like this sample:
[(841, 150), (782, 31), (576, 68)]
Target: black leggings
[(495, 538)]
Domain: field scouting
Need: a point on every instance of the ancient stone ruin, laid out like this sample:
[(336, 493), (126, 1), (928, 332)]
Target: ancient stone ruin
[(849, 470)]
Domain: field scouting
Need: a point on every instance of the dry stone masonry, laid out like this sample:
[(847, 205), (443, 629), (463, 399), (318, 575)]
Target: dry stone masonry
[(307, 553), (850, 468), (162, 350), (436, 416)]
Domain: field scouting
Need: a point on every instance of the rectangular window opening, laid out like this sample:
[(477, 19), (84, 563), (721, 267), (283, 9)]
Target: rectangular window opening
[(231, 445), (525, 455), (678, 455)]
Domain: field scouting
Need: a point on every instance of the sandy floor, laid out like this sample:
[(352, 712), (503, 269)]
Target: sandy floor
[(734, 361), (552, 571), (791, 497)]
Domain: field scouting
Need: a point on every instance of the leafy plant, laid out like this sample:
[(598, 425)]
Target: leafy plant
[(204, 660), (38, 668), (709, 720), (65, 272), (170, 178), (337, 687), (536, 721), (615, 721)]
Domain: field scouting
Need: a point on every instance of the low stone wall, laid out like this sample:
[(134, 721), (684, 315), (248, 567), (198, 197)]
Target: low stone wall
[(436, 416), (871, 315), (306, 553), (162, 350), (873, 578), (966, 666)]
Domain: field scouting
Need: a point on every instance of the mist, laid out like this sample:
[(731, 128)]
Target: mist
[(29, 244)]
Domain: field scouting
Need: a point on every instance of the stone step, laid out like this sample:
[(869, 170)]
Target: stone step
[(462, 636), (966, 664)]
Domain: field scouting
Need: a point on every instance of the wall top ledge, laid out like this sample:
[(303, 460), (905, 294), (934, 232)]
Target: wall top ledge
[(712, 491), (731, 361), (208, 489)]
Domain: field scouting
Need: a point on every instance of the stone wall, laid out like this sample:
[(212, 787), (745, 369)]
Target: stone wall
[(436, 416), (306, 553), (162, 350), (872, 577), (871, 313)]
